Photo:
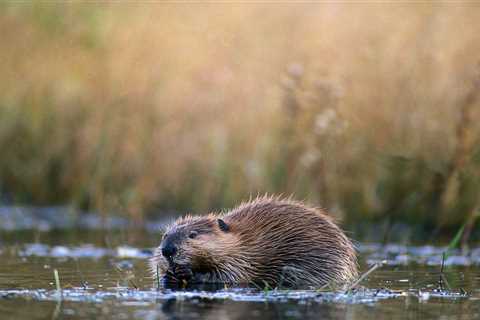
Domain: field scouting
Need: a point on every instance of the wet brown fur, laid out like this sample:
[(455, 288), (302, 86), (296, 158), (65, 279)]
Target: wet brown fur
[(269, 240)]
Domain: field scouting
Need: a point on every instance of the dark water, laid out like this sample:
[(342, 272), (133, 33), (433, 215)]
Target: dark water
[(103, 275)]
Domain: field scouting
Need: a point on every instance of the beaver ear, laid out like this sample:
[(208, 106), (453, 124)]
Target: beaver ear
[(222, 225)]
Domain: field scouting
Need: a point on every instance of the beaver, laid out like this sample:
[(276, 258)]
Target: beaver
[(268, 240)]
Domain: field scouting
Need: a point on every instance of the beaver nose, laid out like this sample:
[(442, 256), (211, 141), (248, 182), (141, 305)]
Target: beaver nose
[(169, 250)]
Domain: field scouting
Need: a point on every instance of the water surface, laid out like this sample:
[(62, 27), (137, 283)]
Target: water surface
[(103, 274)]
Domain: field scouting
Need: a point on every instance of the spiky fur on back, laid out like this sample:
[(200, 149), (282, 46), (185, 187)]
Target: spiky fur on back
[(269, 240)]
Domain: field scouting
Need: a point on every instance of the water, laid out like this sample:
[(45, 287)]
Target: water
[(103, 275)]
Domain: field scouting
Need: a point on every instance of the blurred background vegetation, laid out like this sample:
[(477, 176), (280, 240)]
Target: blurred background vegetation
[(368, 110)]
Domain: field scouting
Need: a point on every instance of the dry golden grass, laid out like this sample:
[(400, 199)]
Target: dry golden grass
[(129, 108)]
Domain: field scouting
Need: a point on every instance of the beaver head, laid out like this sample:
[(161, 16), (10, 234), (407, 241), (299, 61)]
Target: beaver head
[(193, 246)]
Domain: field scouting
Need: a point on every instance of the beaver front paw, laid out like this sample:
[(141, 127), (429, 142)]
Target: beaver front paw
[(183, 272), (177, 274), (168, 278)]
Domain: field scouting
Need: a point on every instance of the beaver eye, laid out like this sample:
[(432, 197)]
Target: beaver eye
[(192, 234)]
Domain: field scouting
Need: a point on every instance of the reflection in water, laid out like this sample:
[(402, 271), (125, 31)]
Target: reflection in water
[(214, 309)]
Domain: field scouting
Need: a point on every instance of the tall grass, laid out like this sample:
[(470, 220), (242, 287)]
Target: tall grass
[(368, 110)]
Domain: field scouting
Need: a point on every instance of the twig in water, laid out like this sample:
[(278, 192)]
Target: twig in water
[(158, 279), (442, 278), (363, 276), (452, 245), (57, 281), (58, 308), (79, 271)]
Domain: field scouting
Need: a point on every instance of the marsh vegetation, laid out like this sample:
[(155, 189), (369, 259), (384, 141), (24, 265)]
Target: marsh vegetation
[(135, 109)]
